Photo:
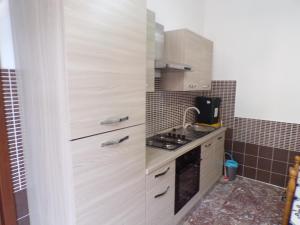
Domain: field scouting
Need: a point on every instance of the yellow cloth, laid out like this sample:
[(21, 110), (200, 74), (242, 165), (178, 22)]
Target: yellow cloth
[(215, 125)]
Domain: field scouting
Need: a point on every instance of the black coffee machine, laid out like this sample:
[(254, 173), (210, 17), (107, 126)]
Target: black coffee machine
[(209, 109)]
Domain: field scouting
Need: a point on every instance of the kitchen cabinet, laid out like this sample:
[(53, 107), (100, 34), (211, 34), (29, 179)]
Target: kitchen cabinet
[(84, 103), (212, 154), (185, 47), (150, 51), (105, 46), (160, 196), (109, 177)]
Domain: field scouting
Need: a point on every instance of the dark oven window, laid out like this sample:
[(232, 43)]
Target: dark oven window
[(187, 177)]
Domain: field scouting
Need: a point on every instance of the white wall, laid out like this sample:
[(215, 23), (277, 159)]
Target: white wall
[(6, 47), (175, 14), (257, 43)]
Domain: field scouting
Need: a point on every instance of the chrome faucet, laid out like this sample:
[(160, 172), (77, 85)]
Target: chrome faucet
[(184, 124)]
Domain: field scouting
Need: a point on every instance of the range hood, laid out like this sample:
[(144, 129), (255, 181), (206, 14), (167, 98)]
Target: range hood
[(160, 63), (171, 66)]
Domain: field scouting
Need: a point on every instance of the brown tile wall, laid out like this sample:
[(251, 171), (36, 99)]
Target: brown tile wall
[(264, 149), (12, 112), (164, 109)]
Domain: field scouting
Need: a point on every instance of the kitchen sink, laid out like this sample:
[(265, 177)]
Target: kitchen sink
[(192, 132), (202, 128)]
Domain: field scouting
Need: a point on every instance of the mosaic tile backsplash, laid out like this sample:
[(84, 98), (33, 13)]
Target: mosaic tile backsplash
[(164, 109)]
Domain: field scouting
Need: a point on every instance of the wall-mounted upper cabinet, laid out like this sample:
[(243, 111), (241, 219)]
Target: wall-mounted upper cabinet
[(187, 48), (150, 51)]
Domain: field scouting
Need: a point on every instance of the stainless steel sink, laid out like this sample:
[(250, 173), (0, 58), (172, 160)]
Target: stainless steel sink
[(202, 128), (191, 133)]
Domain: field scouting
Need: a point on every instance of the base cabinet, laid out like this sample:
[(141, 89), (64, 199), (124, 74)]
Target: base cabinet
[(160, 196), (212, 154)]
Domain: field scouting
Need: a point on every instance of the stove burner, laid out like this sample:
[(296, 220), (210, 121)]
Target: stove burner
[(170, 146), (179, 141), (168, 141)]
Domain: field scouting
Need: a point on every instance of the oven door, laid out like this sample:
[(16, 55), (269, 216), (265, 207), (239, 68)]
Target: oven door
[(187, 177)]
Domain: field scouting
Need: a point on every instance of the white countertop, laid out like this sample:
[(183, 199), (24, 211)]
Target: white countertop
[(156, 158)]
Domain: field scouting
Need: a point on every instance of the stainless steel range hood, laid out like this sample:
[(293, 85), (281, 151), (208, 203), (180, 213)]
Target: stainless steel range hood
[(160, 63), (171, 66)]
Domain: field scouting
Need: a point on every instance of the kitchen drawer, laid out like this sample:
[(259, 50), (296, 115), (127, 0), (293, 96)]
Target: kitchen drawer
[(160, 202), (160, 196), (110, 180), (163, 175)]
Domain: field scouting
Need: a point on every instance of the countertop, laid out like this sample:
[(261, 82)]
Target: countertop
[(156, 158)]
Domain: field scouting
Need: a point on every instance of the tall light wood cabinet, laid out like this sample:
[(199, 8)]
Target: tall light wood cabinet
[(185, 47), (105, 44), (81, 66)]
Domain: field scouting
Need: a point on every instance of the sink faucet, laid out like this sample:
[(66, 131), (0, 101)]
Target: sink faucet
[(184, 124)]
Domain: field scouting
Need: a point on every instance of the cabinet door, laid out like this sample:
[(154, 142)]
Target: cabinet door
[(109, 178), (207, 173), (198, 54), (150, 51), (220, 139), (105, 64), (174, 46)]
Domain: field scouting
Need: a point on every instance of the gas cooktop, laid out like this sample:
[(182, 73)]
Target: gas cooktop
[(174, 139)]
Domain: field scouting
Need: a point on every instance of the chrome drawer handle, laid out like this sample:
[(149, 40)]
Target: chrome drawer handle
[(207, 145), (205, 86), (114, 142), (162, 194), (163, 173), (114, 120), (219, 138)]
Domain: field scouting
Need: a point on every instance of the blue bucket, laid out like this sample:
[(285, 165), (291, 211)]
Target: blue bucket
[(231, 169)]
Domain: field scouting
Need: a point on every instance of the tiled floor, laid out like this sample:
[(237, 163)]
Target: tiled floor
[(241, 202)]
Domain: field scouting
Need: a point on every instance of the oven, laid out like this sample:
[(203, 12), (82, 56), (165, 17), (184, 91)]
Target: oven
[(187, 179)]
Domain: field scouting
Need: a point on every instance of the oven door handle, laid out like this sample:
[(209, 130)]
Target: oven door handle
[(162, 194)]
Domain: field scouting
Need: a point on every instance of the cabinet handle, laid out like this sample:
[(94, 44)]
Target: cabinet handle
[(114, 120), (162, 194), (114, 142), (219, 138), (207, 145), (205, 86), (163, 173), (192, 86)]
